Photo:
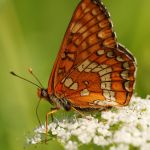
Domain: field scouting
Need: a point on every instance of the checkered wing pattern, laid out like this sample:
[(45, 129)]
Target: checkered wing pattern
[(92, 70)]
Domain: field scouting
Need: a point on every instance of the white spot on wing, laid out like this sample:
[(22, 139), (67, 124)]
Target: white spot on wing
[(127, 85), (106, 77), (125, 74), (110, 54), (105, 71), (126, 65), (100, 52), (94, 12), (86, 82), (119, 58), (90, 67), (68, 82), (99, 68), (110, 95), (83, 65), (106, 85), (85, 92), (74, 86), (105, 103)]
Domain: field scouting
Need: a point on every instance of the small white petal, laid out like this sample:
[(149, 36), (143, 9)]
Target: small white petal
[(71, 146)]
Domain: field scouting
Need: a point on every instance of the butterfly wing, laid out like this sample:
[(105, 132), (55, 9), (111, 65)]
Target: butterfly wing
[(91, 69), (103, 79), (90, 23)]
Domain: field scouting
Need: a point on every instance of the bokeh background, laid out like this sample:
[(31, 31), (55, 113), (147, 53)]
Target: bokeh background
[(31, 32)]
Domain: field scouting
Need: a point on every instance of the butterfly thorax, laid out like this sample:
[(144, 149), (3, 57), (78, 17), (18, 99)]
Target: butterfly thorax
[(52, 99)]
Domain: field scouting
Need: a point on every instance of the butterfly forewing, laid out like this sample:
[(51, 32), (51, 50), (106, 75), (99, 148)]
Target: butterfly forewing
[(91, 69), (89, 29)]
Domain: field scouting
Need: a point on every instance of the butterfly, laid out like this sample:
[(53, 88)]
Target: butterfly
[(92, 70)]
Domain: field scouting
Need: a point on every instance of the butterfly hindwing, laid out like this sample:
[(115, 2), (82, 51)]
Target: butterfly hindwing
[(107, 77)]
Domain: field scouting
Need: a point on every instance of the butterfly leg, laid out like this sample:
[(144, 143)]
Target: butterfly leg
[(54, 110), (52, 117), (79, 112)]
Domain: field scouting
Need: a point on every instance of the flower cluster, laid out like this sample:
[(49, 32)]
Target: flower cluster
[(117, 128)]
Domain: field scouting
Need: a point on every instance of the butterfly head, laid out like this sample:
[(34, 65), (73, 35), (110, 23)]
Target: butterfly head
[(42, 93)]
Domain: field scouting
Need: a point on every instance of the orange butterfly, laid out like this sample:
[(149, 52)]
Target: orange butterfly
[(92, 70)]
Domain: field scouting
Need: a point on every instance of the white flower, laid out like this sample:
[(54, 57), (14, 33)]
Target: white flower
[(71, 145), (120, 147), (122, 136), (145, 146), (100, 140), (85, 138), (41, 129), (35, 140), (129, 125)]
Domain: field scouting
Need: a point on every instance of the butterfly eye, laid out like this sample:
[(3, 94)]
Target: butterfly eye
[(44, 93)]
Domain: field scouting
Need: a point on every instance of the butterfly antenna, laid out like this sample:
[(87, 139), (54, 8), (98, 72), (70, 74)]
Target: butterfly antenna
[(36, 78), (37, 112), (16, 75)]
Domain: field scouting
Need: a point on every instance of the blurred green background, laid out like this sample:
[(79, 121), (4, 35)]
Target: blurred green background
[(31, 32)]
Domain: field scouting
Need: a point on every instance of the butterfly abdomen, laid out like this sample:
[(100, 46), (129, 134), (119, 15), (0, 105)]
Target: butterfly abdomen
[(60, 102)]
